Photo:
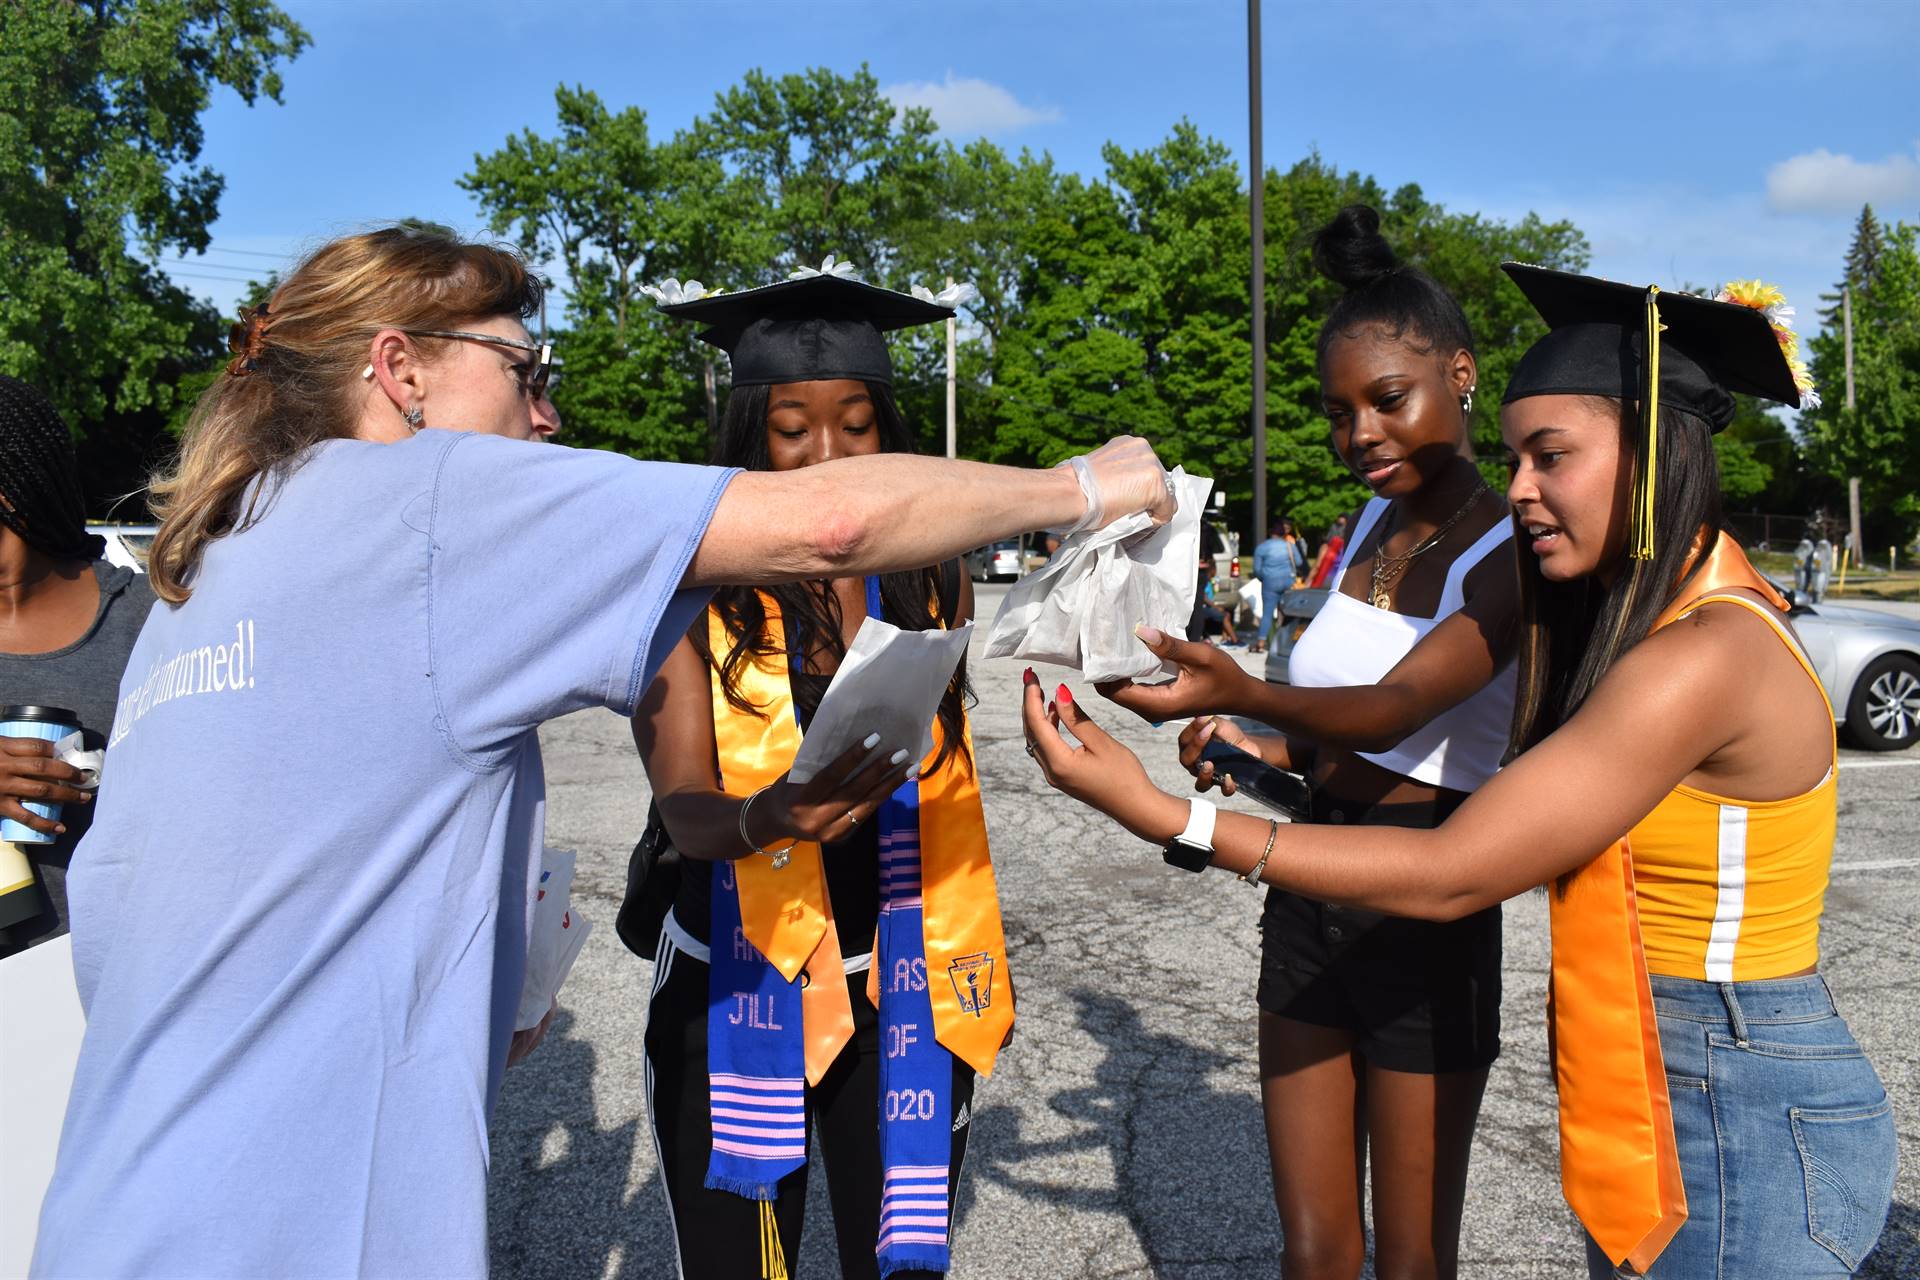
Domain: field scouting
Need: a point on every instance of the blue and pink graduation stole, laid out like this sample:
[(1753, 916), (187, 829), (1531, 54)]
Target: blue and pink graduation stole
[(756, 1057)]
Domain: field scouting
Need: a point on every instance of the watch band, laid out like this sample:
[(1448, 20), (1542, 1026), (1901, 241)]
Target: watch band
[(1200, 823), (1192, 849)]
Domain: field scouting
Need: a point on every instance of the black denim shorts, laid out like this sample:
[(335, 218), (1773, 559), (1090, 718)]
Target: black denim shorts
[(1421, 996)]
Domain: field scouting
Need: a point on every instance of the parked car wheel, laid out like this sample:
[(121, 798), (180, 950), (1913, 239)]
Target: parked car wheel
[(1884, 712)]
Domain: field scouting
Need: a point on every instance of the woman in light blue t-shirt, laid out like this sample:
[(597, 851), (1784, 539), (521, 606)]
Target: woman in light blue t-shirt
[(300, 919)]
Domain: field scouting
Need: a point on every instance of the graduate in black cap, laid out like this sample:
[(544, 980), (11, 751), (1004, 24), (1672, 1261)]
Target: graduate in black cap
[(890, 1029), (1674, 787)]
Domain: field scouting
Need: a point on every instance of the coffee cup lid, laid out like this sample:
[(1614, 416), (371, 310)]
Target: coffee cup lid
[(42, 715)]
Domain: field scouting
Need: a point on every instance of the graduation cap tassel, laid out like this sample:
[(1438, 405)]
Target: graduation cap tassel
[(1643, 487)]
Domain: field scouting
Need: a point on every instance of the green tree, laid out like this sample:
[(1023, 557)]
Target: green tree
[(616, 210), (99, 138), (1127, 322), (1863, 263), (1462, 251), (834, 168), (1879, 439)]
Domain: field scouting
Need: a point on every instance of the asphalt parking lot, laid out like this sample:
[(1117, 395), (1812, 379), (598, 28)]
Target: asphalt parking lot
[(1121, 1134)]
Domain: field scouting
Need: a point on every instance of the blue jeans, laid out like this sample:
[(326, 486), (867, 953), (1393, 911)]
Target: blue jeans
[(1270, 593), (1786, 1136)]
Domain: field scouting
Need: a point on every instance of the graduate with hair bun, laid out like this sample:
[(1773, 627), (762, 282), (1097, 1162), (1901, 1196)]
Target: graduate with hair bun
[(1674, 791), (1377, 1031)]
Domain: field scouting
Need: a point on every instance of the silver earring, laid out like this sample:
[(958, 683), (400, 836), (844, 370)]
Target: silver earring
[(413, 417), (1466, 403)]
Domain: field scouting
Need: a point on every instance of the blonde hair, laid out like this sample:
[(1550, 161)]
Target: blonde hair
[(296, 373)]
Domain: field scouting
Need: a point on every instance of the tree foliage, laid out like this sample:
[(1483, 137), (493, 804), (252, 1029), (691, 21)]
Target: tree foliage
[(1879, 439), (99, 142), (1107, 304)]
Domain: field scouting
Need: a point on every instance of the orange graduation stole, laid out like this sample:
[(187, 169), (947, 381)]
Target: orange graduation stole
[(788, 917), (1619, 1166)]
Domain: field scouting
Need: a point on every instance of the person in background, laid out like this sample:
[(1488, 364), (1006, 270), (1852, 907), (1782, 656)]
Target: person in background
[(68, 619), (1822, 566), (1330, 552), (1279, 564), (1210, 617), (1803, 565)]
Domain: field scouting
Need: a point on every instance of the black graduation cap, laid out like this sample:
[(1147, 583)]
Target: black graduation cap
[(1707, 348), (813, 329), (1660, 350)]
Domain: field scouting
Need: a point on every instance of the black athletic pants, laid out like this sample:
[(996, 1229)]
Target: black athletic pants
[(717, 1232)]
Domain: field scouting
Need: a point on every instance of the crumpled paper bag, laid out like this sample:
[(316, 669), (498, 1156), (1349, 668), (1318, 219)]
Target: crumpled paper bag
[(1080, 608), (558, 934)]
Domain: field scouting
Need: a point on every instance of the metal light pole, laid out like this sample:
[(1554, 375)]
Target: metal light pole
[(1857, 548), (952, 416), (1257, 189)]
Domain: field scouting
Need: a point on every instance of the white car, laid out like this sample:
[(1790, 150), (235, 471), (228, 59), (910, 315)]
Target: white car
[(127, 543), (998, 562)]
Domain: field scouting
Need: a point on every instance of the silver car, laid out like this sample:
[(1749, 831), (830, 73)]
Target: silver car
[(1869, 662), (1001, 561)]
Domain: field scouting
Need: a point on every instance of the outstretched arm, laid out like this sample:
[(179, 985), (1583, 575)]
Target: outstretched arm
[(889, 512), (1449, 665), (1671, 704)]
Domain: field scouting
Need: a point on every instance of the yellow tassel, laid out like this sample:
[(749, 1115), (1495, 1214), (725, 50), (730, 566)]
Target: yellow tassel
[(1643, 487), (773, 1259)]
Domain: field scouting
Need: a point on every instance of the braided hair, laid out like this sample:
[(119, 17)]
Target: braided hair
[(39, 477)]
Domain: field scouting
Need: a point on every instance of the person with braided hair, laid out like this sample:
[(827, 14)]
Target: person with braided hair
[(67, 622)]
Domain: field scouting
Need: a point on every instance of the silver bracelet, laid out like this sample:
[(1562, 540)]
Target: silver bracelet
[(782, 855), (1252, 875)]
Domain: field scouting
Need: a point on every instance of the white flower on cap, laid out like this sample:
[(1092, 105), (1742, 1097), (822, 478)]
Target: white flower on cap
[(952, 297), (671, 292), (829, 267)]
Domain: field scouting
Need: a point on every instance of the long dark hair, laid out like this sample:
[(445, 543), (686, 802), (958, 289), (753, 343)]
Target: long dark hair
[(1571, 633), (810, 613)]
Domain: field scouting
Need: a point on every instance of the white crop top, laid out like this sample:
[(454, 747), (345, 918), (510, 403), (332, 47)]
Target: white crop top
[(1352, 643)]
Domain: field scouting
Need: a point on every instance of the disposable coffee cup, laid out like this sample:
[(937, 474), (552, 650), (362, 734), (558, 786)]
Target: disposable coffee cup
[(52, 724)]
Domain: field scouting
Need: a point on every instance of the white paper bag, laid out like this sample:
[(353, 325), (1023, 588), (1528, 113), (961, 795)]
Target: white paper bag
[(40, 1009), (1080, 608), (558, 934), (890, 683)]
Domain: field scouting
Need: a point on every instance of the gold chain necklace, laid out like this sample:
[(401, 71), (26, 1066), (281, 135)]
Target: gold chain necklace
[(1387, 569)]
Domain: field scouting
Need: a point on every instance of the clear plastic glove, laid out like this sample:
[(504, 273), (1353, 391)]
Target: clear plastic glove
[(1080, 609), (1124, 476)]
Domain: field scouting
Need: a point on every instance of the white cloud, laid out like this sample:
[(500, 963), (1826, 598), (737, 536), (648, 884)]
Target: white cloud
[(1821, 182), (968, 107)]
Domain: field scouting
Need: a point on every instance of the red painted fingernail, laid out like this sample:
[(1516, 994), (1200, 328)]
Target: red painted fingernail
[(1029, 677), (1064, 694)]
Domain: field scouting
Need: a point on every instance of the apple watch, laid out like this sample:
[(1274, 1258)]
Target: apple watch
[(1192, 849)]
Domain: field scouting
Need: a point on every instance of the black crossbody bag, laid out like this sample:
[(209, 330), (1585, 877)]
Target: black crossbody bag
[(653, 882)]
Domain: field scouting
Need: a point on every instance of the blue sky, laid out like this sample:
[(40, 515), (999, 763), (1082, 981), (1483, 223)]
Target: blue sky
[(1692, 142)]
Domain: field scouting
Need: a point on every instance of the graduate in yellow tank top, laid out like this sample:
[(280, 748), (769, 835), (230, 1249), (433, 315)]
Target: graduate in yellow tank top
[(1674, 788)]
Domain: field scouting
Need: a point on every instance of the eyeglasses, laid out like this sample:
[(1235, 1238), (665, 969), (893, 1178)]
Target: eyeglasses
[(537, 376)]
